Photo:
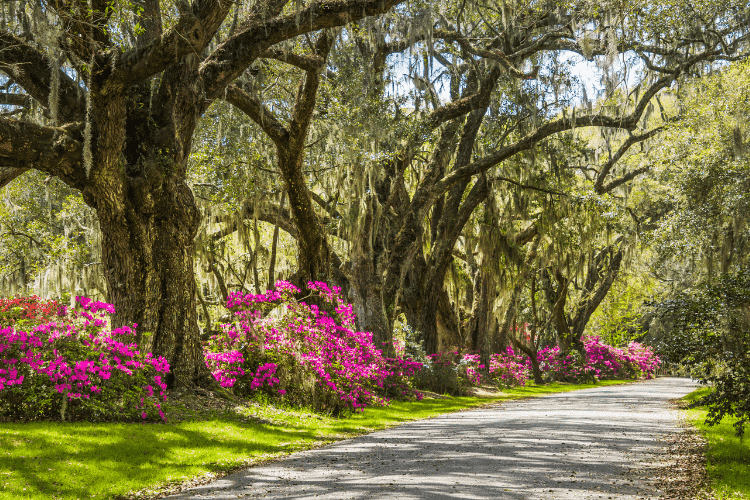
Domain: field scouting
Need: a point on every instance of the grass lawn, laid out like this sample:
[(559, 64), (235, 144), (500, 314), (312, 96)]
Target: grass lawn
[(82, 460), (727, 457)]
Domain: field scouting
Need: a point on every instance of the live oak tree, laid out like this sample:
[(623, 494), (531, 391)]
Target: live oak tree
[(513, 75), (122, 102), (396, 264), (123, 86)]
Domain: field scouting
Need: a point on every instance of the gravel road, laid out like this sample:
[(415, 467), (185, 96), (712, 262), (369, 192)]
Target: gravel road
[(588, 444)]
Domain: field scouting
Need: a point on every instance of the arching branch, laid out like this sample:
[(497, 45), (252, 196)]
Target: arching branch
[(233, 56), (54, 150), (269, 214), (604, 172), (303, 62), (257, 112), (30, 69), (628, 122)]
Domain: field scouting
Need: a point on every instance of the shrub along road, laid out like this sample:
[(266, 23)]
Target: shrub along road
[(588, 444)]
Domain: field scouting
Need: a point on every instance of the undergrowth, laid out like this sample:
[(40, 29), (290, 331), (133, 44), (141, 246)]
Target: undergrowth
[(727, 456)]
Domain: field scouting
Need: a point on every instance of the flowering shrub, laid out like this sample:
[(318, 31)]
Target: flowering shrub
[(450, 372), (644, 357), (561, 367), (469, 368), (24, 311), (601, 361), (509, 369), (73, 368), (306, 353)]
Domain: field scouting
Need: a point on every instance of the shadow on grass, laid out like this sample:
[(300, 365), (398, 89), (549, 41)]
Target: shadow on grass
[(727, 456), (80, 460), (83, 460)]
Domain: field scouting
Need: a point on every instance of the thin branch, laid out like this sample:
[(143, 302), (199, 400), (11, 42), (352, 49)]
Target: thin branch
[(633, 139), (528, 186), (622, 180)]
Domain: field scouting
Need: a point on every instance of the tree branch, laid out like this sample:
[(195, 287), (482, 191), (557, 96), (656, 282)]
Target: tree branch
[(14, 99), (261, 115), (30, 69), (633, 139), (303, 62), (269, 214), (527, 186), (325, 205), (231, 58), (191, 34), (566, 123), (54, 150), (306, 97), (494, 55), (622, 180)]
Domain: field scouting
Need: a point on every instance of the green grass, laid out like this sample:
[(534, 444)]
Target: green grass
[(727, 456), (84, 460)]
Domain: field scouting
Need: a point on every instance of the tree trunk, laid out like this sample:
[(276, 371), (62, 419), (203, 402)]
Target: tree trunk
[(449, 332), (365, 277), (147, 254), (538, 380), (477, 332)]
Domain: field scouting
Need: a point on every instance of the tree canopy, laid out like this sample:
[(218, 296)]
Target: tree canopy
[(448, 166)]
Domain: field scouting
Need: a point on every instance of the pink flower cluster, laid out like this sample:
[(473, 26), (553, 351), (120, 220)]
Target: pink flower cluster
[(308, 353), (470, 366), (77, 358), (265, 375), (226, 367), (601, 361), (627, 362), (509, 369)]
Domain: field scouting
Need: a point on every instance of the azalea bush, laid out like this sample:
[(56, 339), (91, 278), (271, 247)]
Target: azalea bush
[(601, 361), (23, 312), (470, 369), (609, 362), (509, 369), (306, 354), (75, 368), (449, 372)]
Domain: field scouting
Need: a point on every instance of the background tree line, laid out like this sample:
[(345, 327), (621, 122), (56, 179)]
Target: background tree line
[(448, 166)]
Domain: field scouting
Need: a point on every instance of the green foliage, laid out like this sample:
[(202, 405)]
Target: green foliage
[(619, 320), (705, 159), (43, 231), (710, 332), (726, 454)]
